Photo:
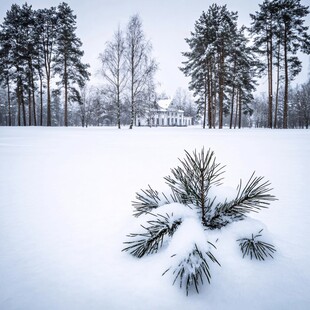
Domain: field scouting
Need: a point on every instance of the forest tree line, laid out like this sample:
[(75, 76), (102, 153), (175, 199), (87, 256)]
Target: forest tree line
[(40, 56), (224, 63), (43, 80)]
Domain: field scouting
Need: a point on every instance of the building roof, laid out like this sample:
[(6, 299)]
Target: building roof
[(167, 105), (164, 103)]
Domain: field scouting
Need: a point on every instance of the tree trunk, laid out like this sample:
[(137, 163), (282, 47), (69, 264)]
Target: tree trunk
[(118, 108), (29, 107), (275, 122), (204, 104), (18, 104), (47, 60), (270, 67), (23, 106), (132, 111), (209, 97), (132, 91), (236, 114), (9, 103), (31, 96), (232, 97), (29, 100), (240, 109), (34, 103), (41, 101), (118, 103), (285, 108), (49, 113), (21, 100), (270, 88), (221, 89), (214, 105), (66, 93), (232, 107)]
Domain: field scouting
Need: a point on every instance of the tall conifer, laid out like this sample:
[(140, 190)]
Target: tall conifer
[(67, 61)]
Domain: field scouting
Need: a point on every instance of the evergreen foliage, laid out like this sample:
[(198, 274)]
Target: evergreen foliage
[(191, 270), (190, 186), (191, 182), (37, 46), (152, 240), (40, 49), (221, 65), (279, 33), (252, 198), (147, 201), (255, 248), (67, 58)]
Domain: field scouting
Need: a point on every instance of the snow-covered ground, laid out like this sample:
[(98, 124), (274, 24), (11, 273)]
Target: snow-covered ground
[(65, 211)]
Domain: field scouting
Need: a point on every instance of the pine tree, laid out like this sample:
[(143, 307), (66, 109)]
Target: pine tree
[(295, 38), (6, 70), (47, 22), (197, 67), (30, 50), (18, 52), (12, 33), (280, 25), (213, 49), (241, 76), (203, 64), (264, 28), (39, 61), (189, 198), (67, 57)]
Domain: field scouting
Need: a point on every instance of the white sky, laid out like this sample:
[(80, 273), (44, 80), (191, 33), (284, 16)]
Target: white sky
[(165, 22)]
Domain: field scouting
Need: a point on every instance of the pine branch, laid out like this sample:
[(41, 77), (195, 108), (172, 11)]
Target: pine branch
[(180, 185), (205, 165), (255, 248), (152, 240), (148, 200), (191, 182), (191, 270), (252, 198)]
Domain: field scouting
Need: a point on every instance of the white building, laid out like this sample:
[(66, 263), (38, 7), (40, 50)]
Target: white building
[(165, 115)]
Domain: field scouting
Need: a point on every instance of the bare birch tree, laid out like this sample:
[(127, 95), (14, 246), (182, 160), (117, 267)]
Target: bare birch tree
[(140, 66), (114, 69)]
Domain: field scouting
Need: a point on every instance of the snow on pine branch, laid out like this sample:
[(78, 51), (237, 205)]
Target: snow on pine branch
[(182, 219)]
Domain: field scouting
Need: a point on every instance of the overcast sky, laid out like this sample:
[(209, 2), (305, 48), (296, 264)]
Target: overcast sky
[(165, 22)]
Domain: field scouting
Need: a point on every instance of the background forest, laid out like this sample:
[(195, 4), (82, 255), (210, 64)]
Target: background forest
[(44, 82)]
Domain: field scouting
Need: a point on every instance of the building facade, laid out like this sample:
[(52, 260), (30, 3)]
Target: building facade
[(165, 116)]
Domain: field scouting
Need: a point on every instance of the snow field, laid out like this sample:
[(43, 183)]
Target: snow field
[(65, 211)]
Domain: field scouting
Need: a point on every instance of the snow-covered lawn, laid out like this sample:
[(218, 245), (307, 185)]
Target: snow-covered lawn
[(65, 211)]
